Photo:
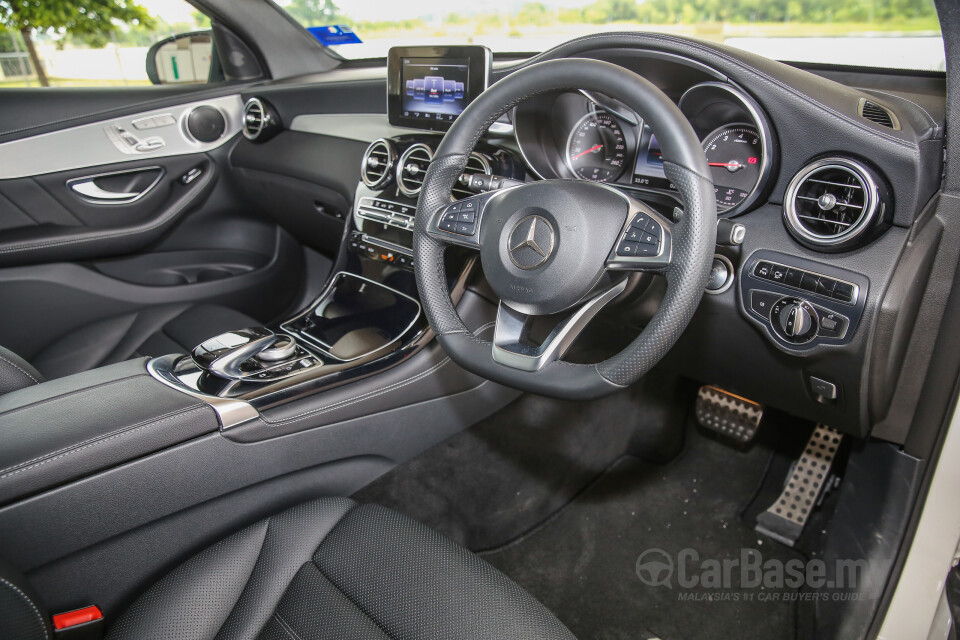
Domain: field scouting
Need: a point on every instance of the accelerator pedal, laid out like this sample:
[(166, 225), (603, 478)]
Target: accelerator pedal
[(728, 414), (785, 519)]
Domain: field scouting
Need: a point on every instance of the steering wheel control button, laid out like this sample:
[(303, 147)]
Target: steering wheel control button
[(466, 228), (628, 248), (640, 221)]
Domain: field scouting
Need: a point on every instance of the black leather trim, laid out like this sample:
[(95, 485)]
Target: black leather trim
[(45, 243), (154, 331), (22, 616), (15, 372), (333, 569), (63, 430)]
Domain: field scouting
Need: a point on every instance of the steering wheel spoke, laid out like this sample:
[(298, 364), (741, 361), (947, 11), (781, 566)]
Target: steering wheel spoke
[(511, 344), (459, 222), (646, 242)]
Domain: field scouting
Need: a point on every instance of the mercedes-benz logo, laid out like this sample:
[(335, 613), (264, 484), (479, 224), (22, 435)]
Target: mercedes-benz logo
[(531, 242)]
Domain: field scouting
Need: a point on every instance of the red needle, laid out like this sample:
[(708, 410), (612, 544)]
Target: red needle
[(591, 149), (724, 164)]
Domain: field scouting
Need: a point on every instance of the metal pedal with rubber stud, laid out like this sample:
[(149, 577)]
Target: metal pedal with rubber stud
[(728, 414), (785, 519)]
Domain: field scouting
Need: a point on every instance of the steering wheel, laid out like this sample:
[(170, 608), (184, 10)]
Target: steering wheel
[(563, 246)]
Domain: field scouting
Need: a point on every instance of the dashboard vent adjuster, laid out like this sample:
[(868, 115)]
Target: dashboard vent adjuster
[(835, 204), (378, 160), (880, 115), (412, 169), (260, 122), (477, 163)]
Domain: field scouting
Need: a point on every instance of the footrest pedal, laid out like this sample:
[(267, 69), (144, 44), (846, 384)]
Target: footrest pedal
[(728, 414)]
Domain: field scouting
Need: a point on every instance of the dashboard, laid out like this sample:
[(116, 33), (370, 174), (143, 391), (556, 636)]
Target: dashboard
[(826, 174)]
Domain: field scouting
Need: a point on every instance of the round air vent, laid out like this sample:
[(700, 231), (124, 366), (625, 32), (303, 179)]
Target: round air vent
[(476, 163), (206, 124), (377, 163), (412, 168), (834, 204), (260, 120), (254, 118)]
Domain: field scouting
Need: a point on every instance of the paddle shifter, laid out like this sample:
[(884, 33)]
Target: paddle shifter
[(252, 354)]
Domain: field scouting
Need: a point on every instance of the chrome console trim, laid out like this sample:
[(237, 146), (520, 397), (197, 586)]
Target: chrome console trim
[(230, 411)]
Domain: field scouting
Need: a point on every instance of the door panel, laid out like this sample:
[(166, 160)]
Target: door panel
[(94, 224)]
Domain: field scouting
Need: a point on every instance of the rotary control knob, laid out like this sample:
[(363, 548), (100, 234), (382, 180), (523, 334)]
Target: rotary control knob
[(794, 320), (284, 347)]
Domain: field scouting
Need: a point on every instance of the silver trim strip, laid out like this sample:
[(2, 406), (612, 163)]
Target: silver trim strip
[(95, 144), (231, 412), (90, 192), (509, 351)]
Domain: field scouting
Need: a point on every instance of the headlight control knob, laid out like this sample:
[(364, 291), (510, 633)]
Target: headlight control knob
[(795, 320)]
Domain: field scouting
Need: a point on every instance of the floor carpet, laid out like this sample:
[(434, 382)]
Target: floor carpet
[(583, 562)]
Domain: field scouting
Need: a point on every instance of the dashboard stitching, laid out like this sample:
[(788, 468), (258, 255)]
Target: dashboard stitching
[(87, 444)]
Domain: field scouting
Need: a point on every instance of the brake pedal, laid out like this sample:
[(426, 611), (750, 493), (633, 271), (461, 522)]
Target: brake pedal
[(728, 414), (785, 519)]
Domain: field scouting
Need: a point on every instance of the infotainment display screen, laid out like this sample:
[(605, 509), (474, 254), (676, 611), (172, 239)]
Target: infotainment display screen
[(428, 87)]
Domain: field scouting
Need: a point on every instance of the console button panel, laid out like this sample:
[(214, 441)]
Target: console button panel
[(799, 303), (388, 212)]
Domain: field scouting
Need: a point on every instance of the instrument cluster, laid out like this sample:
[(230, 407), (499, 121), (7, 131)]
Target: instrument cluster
[(586, 136)]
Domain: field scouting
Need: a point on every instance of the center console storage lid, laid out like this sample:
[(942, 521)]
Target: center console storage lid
[(65, 429)]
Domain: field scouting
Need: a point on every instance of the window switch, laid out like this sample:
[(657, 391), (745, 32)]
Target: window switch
[(191, 175)]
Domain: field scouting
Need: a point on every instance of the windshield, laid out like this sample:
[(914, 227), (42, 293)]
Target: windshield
[(873, 33)]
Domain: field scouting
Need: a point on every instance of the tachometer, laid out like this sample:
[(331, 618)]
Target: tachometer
[(597, 148), (735, 155)]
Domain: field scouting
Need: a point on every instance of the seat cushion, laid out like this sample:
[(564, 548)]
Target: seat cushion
[(154, 331), (334, 569)]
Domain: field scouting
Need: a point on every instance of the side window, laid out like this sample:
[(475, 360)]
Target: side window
[(62, 43)]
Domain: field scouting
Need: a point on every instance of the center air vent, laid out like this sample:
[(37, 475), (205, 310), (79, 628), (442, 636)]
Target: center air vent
[(477, 163), (412, 168), (833, 203), (378, 161)]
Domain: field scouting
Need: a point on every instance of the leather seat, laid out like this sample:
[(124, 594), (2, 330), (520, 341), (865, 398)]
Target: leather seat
[(154, 331), (332, 569)]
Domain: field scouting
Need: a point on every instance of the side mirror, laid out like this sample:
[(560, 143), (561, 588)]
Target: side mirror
[(186, 58)]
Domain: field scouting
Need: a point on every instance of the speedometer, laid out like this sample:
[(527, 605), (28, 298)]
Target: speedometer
[(597, 148), (735, 156)]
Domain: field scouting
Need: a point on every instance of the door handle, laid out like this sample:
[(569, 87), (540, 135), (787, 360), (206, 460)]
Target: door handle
[(130, 185), (89, 189)]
